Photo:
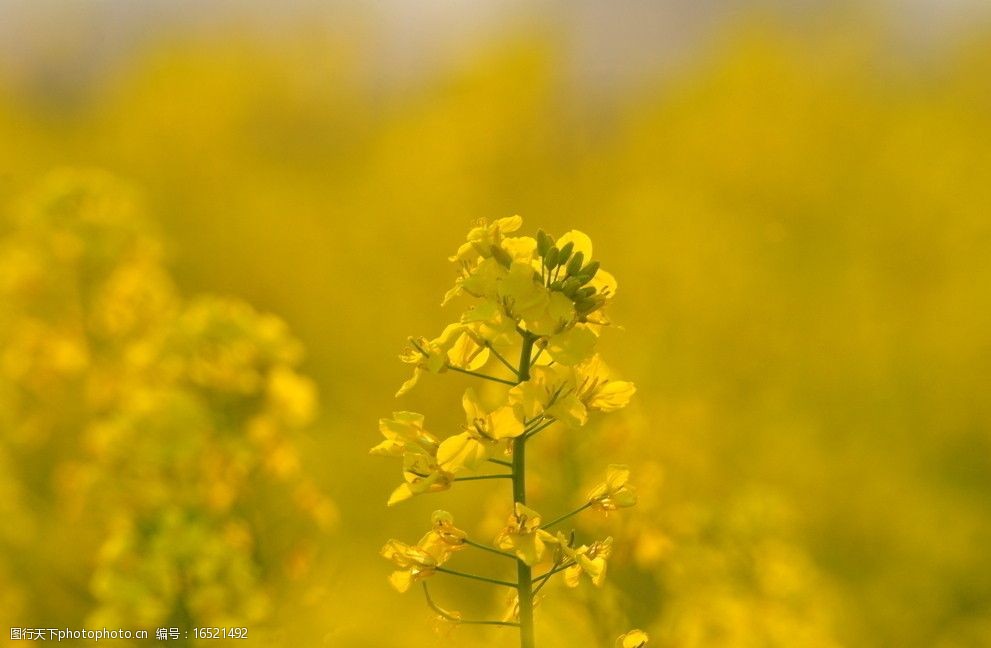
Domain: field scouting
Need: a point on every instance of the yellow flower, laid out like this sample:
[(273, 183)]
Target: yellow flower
[(590, 559), (418, 562), (501, 423), (567, 393), (483, 432), (451, 348), (479, 281), (549, 392), (615, 492), (573, 345), (598, 391), (293, 396), (414, 564), (632, 639), (487, 323), (485, 235), (404, 429), (444, 538), (422, 474), (523, 535)]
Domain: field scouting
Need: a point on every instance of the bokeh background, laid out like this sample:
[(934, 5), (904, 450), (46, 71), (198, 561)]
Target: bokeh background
[(221, 221)]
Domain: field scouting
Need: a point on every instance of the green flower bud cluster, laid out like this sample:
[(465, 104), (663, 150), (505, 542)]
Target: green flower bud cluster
[(566, 270)]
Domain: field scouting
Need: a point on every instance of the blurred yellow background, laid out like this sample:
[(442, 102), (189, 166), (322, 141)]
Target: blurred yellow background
[(796, 205)]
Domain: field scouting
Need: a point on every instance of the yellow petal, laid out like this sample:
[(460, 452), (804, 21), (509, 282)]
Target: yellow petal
[(520, 248), (508, 225), (402, 493), (569, 410), (504, 424), (613, 395), (411, 383), (401, 580), (461, 451), (633, 639), (581, 242), (572, 346)]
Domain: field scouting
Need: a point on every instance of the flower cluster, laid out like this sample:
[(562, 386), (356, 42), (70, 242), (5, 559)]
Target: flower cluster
[(534, 308), (162, 414)]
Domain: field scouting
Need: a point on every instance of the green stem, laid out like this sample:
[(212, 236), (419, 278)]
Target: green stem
[(480, 375), (524, 583), (477, 545), (567, 515), (450, 617), (543, 579), (507, 464), (502, 359), (477, 477), (538, 428), (484, 579)]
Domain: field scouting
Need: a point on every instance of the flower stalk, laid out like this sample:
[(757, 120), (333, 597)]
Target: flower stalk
[(534, 296), (524, 574)]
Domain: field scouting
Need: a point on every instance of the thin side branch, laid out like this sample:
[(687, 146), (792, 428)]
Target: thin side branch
[(450, 617), (538, 428), (477, 477), (478, 545), (478, 374), (503, 360), (567, 515), (484, 579)]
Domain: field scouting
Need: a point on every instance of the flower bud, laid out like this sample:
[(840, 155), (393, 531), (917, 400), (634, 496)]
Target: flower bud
[(585, 292), (501, 256), (543, 243), (587, 305), (550, 259), (575, 264), (588, 272), (570, 286), (565, 253)]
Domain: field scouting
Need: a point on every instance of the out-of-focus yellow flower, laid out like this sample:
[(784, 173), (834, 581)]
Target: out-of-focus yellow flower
[(615, 492), (444, 538), (422, 474), (293, 397), (414, 564), (523, 535), (632, 639), (589, 559), (420, 561), (404, 430)]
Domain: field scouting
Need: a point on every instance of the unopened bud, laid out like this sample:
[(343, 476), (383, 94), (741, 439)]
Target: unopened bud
[(565, 253), (550, 259), (501, 256), (575, 264), (570, 286), (543, 243), (588, 272)]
